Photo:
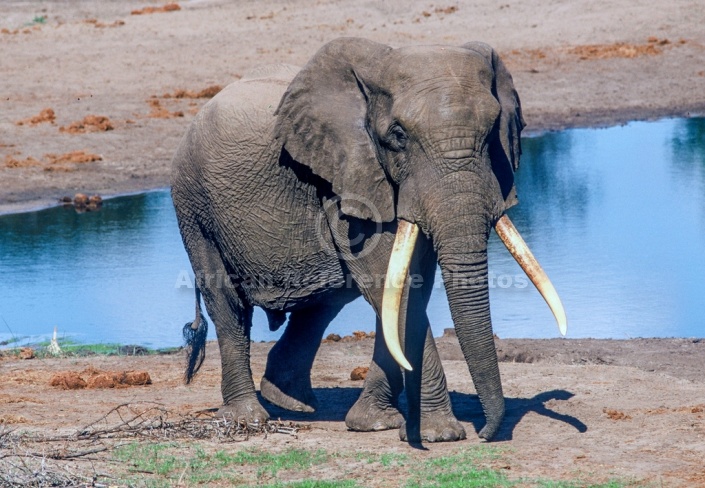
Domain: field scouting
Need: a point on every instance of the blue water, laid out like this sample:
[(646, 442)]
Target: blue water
[(616, 217)]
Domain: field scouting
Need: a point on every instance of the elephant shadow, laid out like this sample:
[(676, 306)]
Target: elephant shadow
[(334, 403), (467, 408)]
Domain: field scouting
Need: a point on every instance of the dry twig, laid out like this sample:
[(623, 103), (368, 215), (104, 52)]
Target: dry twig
[(24, 462)]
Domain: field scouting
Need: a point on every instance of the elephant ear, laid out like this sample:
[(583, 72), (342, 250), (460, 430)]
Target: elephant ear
[(505, 146), (321, 123)]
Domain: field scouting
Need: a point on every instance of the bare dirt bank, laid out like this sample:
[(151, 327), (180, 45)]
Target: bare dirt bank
[(589, 410), (578, 64)]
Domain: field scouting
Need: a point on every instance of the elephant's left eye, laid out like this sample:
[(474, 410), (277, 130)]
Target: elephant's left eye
[(396, 138)]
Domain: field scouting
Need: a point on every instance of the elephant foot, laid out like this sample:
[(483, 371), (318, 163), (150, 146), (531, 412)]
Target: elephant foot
[(438, 428), (289, 396), (367, 416), (249, 411)]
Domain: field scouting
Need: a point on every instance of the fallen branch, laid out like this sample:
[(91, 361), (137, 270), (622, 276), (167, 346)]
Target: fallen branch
[(21, 464)]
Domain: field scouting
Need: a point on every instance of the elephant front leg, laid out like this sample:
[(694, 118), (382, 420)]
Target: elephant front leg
[(430, 417), (377, 408)]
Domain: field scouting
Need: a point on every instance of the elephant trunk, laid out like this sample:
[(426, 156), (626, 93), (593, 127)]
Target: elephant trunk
[(462, 254), (459, 221)]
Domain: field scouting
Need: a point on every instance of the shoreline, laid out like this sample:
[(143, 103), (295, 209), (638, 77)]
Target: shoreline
[(111, 128), (548, 123), (38, 205), (12, 344)]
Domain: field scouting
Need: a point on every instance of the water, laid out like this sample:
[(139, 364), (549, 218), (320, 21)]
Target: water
[(616, 216)]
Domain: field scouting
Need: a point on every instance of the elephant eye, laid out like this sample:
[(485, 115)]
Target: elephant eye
[(396, 138)]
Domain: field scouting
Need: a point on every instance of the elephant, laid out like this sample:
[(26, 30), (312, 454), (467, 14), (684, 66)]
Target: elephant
[(299, 190)]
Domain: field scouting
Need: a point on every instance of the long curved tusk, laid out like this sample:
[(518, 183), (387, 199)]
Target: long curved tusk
[(397, 271), (520, 251)]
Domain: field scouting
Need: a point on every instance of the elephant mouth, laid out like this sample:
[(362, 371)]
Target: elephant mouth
[(398, 269)]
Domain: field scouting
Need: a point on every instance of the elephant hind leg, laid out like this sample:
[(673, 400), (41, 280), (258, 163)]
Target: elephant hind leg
[(287, 379), (232, 317)]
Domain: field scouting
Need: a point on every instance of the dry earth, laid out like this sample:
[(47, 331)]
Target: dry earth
[(95, 99), (111, 78), (592, 410)]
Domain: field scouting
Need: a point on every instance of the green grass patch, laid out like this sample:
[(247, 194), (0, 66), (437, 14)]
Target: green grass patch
[(190, 464), (162, 464), (150, 458), (464, 469), (71, 348), (272, 463)]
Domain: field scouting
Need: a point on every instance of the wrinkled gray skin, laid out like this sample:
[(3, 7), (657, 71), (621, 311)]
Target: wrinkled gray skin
[(291, 185)]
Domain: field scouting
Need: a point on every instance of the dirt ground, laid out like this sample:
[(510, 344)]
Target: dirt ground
[(592, 410), (94, 99)]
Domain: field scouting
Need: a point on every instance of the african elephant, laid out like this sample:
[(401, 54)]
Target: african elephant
[(292, 188)]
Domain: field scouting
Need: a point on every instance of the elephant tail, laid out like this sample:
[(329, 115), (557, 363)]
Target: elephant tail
[(195, 338)]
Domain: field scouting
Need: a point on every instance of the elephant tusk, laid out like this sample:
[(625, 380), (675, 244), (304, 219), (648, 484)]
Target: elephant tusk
[(520, 251), (397, 271)]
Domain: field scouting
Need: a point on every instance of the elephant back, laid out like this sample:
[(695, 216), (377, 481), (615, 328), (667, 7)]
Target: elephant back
[(235, 124), (281, 71)]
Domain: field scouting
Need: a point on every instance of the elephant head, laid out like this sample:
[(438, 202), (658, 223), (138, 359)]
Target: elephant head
[(429, 136)]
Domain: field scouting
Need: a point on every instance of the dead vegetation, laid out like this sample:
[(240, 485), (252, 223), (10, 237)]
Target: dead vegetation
[(41, 459), (53, 162), (92, 378), (158, 111), (208, 92), (652, 47), (100, 25), (616, 414), (358, 335), (439, 11), (528, 59), (359, 373), (12, 162), (169, 7), (27, 30), (46, 115), (74, 157), (90, 123), (27, 353)]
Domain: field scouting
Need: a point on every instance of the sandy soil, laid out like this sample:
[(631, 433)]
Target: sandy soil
[(592, 410), (95, 99), (578, 63)]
